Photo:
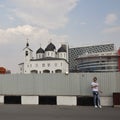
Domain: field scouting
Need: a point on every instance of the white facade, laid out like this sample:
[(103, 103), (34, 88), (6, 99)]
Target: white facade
[(46, 61)]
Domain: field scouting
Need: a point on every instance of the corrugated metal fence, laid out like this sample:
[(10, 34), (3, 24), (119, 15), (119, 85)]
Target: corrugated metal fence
[(58, 84)]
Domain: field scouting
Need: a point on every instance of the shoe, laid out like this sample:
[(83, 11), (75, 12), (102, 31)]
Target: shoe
[(96, 106), (100, 106)]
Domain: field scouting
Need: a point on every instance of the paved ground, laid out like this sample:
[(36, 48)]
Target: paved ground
[(48, 112)]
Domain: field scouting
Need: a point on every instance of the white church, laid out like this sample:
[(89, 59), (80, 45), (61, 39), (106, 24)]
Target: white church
[(49, 60)]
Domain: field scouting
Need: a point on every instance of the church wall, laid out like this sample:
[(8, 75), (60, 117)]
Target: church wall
[(50, 65)]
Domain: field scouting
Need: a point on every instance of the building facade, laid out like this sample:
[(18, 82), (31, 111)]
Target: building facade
[(49, 60), (99, 62), (74, 53)]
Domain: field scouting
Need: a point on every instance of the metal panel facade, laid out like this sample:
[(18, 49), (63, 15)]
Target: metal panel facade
[(76, 52), (58, 84)]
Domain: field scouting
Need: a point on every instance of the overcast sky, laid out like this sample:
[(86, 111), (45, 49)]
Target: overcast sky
[(78, 22)]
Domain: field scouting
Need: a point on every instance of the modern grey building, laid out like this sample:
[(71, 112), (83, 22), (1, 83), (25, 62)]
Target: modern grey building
[(99, 62), (74, 53)]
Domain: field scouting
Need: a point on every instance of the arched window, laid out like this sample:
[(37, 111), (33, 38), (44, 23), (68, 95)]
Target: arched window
[(58, 71), (34, 71), (46, 71)]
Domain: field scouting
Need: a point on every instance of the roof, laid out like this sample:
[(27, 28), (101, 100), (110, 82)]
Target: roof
[(21, 64), (27, 48), (50, 47), (47, 58), (40, 50), (61, 49)]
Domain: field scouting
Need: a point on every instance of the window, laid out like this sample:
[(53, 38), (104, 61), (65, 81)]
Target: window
[(36, 65), (26, 53), (34, 71), (64, 54), (48, 64), (58, 71), (61, 55), (46, 71), (55, 64), (43, 65)]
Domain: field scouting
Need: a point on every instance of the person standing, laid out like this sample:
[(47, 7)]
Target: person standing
[(95, 91)]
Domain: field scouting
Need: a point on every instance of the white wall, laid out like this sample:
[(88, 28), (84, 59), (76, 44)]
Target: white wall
[(51, 65)]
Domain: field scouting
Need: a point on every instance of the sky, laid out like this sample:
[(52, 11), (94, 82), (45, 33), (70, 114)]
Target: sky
[(76, 22)]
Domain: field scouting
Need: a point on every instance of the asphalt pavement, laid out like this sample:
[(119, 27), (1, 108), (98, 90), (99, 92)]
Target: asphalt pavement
[(53, 112)]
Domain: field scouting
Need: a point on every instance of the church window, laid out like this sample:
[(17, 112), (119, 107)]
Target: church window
[(61, 55), (55, 64), (64, 54), (48, 64), (36, 65), (26, 53), (51, 54), (43, 65)]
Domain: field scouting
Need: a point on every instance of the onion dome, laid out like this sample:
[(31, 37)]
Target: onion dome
[(50, 47), (61, 49), (40, 50)]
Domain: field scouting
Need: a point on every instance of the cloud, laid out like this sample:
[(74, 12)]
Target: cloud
[(112, 30), (36, 35), (11, 18), (51, 14), (111, 19)]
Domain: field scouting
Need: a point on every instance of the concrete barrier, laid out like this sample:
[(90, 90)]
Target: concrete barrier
[(106, 101), (53, 100), (1, 99), (29, 100), (66, 100)]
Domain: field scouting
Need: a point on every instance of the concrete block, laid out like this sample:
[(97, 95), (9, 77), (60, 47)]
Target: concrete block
[(1, 99), (29, 100), (66, 100), (106, 101)]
